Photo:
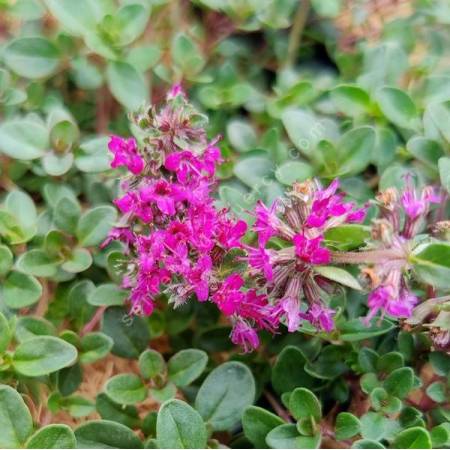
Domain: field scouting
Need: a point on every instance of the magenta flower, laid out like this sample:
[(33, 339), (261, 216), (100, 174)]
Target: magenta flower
[(414, 205), (289, 307), (288, 273), (175, 90), (198, 277), (211, 158), (260, 259), (132, 203), (164, 194), (228, 296), (126, 154), (245, 336), (185, 164), (229, 233), (327, 204), (267, 222), (388, 299), (321, 316), (310, 250), (256, 308), (123, 234)]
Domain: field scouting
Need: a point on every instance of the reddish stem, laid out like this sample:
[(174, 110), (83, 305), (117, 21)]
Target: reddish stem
[(94, 321)]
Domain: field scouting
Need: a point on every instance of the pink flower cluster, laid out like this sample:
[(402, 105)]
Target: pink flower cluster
[(175, 236), (393, 232), (179, 242), (287, 274)]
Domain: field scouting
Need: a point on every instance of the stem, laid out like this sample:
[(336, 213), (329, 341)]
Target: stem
[(368, 257), (42, 306), (295, 36), (277, 407), (94, 321)]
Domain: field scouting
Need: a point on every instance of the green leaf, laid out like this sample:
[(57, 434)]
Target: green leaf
[(303, 129), (108, 295), (328, 9), (415, 437), (6, 259), (376, 426), (94, 346), (10, 229), (32, 57), (129, 333), (132, 20), (144, 57), (389, 362), (351, 100), (23, 139), (354, 150), (180, 426), (43, 355), (80, 17), (400, 382), (292, 171), (397, 106), (127, 85), (382, 401), (38, 263), (16, 422), (69, 379), (440, 362), (444, 172), (425, 150), (86, 75), (53, 436), (21, 290), (257, 423), (369, 382), (347, 426), (5, 333), (241, 135), (440, 435), (66, 214), (303, 404), (78, 406), (94, 225), (253, 170), (109, 410), (186, 366), (79, 260), (186, 55), (347, 237), (163, 394), (106, 434), (288, 371), (225, 394), (28, 327), (367, 359), (151, 364), (126, 389), (93, 155), (367, 443), (355, 330), (56, 164), (22, 207), (287, 436), (339, 275), (432, 263), (437, 392)]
